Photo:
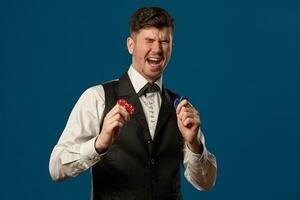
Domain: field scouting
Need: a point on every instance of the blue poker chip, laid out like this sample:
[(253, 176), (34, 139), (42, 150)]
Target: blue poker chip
[(178, 100)]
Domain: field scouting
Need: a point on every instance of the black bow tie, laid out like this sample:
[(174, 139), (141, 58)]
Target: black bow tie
[(149, 88)]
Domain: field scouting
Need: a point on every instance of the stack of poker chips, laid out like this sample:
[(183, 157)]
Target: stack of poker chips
[(126, 105)]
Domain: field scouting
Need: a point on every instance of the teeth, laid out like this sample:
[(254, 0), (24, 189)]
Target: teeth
[(154, 59)]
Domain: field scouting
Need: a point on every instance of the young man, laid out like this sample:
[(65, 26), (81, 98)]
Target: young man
[(136, 156)]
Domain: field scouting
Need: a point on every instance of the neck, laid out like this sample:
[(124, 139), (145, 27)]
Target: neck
[(150, 80)]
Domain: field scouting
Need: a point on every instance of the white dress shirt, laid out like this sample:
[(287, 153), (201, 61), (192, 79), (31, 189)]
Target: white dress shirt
[(75, 151)]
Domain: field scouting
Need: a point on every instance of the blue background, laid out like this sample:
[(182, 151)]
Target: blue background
[(238, 61)]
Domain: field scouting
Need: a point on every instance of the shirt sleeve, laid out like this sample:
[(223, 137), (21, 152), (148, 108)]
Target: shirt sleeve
[(75, 151), (200, 169)]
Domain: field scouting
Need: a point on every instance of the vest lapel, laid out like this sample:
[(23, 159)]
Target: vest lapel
[(165, 112)]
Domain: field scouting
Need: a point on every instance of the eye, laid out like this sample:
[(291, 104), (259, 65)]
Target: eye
[(165, 41), (149, 40)]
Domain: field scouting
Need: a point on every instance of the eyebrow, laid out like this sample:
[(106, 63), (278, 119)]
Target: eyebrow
[(160, 40)]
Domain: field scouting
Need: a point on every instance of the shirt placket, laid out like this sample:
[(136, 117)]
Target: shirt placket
[(151, 113)]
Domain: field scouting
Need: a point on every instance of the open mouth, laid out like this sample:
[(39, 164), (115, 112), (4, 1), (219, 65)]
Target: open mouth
[(154, 61)]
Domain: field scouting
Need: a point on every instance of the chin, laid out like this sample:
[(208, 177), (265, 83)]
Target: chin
[(156, 69), (154, 76)]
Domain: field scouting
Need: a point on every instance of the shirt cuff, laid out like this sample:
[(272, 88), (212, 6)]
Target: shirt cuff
[(88, 151), (194, 157)]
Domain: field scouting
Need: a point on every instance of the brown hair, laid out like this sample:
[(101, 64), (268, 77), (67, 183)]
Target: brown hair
[(151, 17)]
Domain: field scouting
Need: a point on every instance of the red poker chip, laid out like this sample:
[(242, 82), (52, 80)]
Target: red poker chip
[(126, 105), (129, 108), (122, 102)]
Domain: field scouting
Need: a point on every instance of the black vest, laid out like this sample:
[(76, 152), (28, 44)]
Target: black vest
[(135, 166)]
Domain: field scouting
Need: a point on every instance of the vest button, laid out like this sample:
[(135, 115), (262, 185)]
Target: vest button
[(149, 141), (152, 161)]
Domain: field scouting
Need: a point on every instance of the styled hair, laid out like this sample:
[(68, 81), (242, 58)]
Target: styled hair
[(147, 17)]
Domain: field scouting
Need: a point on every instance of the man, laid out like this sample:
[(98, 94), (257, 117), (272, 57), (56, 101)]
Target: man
[(136, 156)]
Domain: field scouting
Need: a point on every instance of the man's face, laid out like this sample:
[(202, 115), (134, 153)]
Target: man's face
[(151, 50)]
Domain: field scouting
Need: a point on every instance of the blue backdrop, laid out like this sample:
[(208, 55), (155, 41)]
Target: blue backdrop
[(238, 61)]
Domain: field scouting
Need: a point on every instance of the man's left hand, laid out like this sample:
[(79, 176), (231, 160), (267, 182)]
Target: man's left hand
[(188, 121)]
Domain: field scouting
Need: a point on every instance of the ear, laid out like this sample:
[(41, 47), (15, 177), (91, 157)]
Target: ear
[(130, 44)]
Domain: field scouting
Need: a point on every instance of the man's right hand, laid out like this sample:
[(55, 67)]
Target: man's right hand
[(113, 121)]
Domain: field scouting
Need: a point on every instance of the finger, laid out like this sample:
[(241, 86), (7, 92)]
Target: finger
[(115, 124), (187, 111), (183, 103), (123, 112), (112, 126), (115, 127), (114, 116), (183, 111), (189, 122), (111, 112), (117, 117), (117, 109), (180, 105), (184, 115)]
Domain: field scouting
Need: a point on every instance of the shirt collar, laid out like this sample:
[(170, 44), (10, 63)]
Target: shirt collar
[(138, 81)]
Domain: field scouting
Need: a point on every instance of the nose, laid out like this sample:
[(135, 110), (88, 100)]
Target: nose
[(156, 47)]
